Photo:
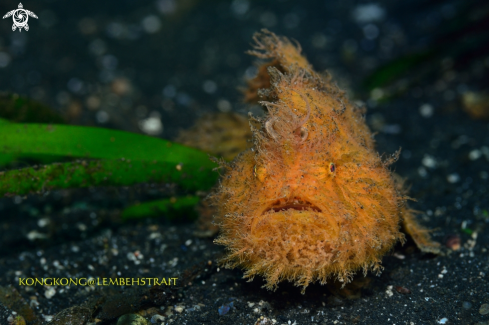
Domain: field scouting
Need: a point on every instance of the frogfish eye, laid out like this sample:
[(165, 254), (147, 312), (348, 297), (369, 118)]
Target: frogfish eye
[(332, 168), (260, 172), (304, 133)]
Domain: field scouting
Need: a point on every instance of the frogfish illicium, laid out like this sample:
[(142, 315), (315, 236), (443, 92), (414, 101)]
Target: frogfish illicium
[(312, 199)]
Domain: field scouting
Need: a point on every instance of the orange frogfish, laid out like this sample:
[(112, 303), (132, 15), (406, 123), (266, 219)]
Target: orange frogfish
[(312, 199)]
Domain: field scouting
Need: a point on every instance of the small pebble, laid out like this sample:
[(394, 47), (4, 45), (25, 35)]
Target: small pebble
[(453, 242), (484, 310), (151, 24), (370, 12), (429, 161), (399, 256), (403, 290), (453, 178), (152, 125), (43, 222), (131, 319), (17, 320), (33, 235), (157, 318), (466, 305), (426, 110), (224, 309), (224, 105), (444, 320), (475, 154), (50, 292), (47, 318)]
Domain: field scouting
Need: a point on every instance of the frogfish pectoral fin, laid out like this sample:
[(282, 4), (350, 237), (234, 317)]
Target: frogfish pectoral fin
[(420, 235)]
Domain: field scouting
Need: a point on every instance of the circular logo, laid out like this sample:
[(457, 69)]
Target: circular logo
[(20, 17)]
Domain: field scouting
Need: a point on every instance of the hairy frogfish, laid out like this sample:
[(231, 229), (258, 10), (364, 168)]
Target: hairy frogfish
[(311, 200)]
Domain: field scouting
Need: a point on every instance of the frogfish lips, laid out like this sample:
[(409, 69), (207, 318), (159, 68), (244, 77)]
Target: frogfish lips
[(295, 203)]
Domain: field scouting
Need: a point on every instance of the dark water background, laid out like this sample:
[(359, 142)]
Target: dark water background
[(181, 58)]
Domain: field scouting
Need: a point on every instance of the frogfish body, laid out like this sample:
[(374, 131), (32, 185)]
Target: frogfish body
[(312, 199)]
